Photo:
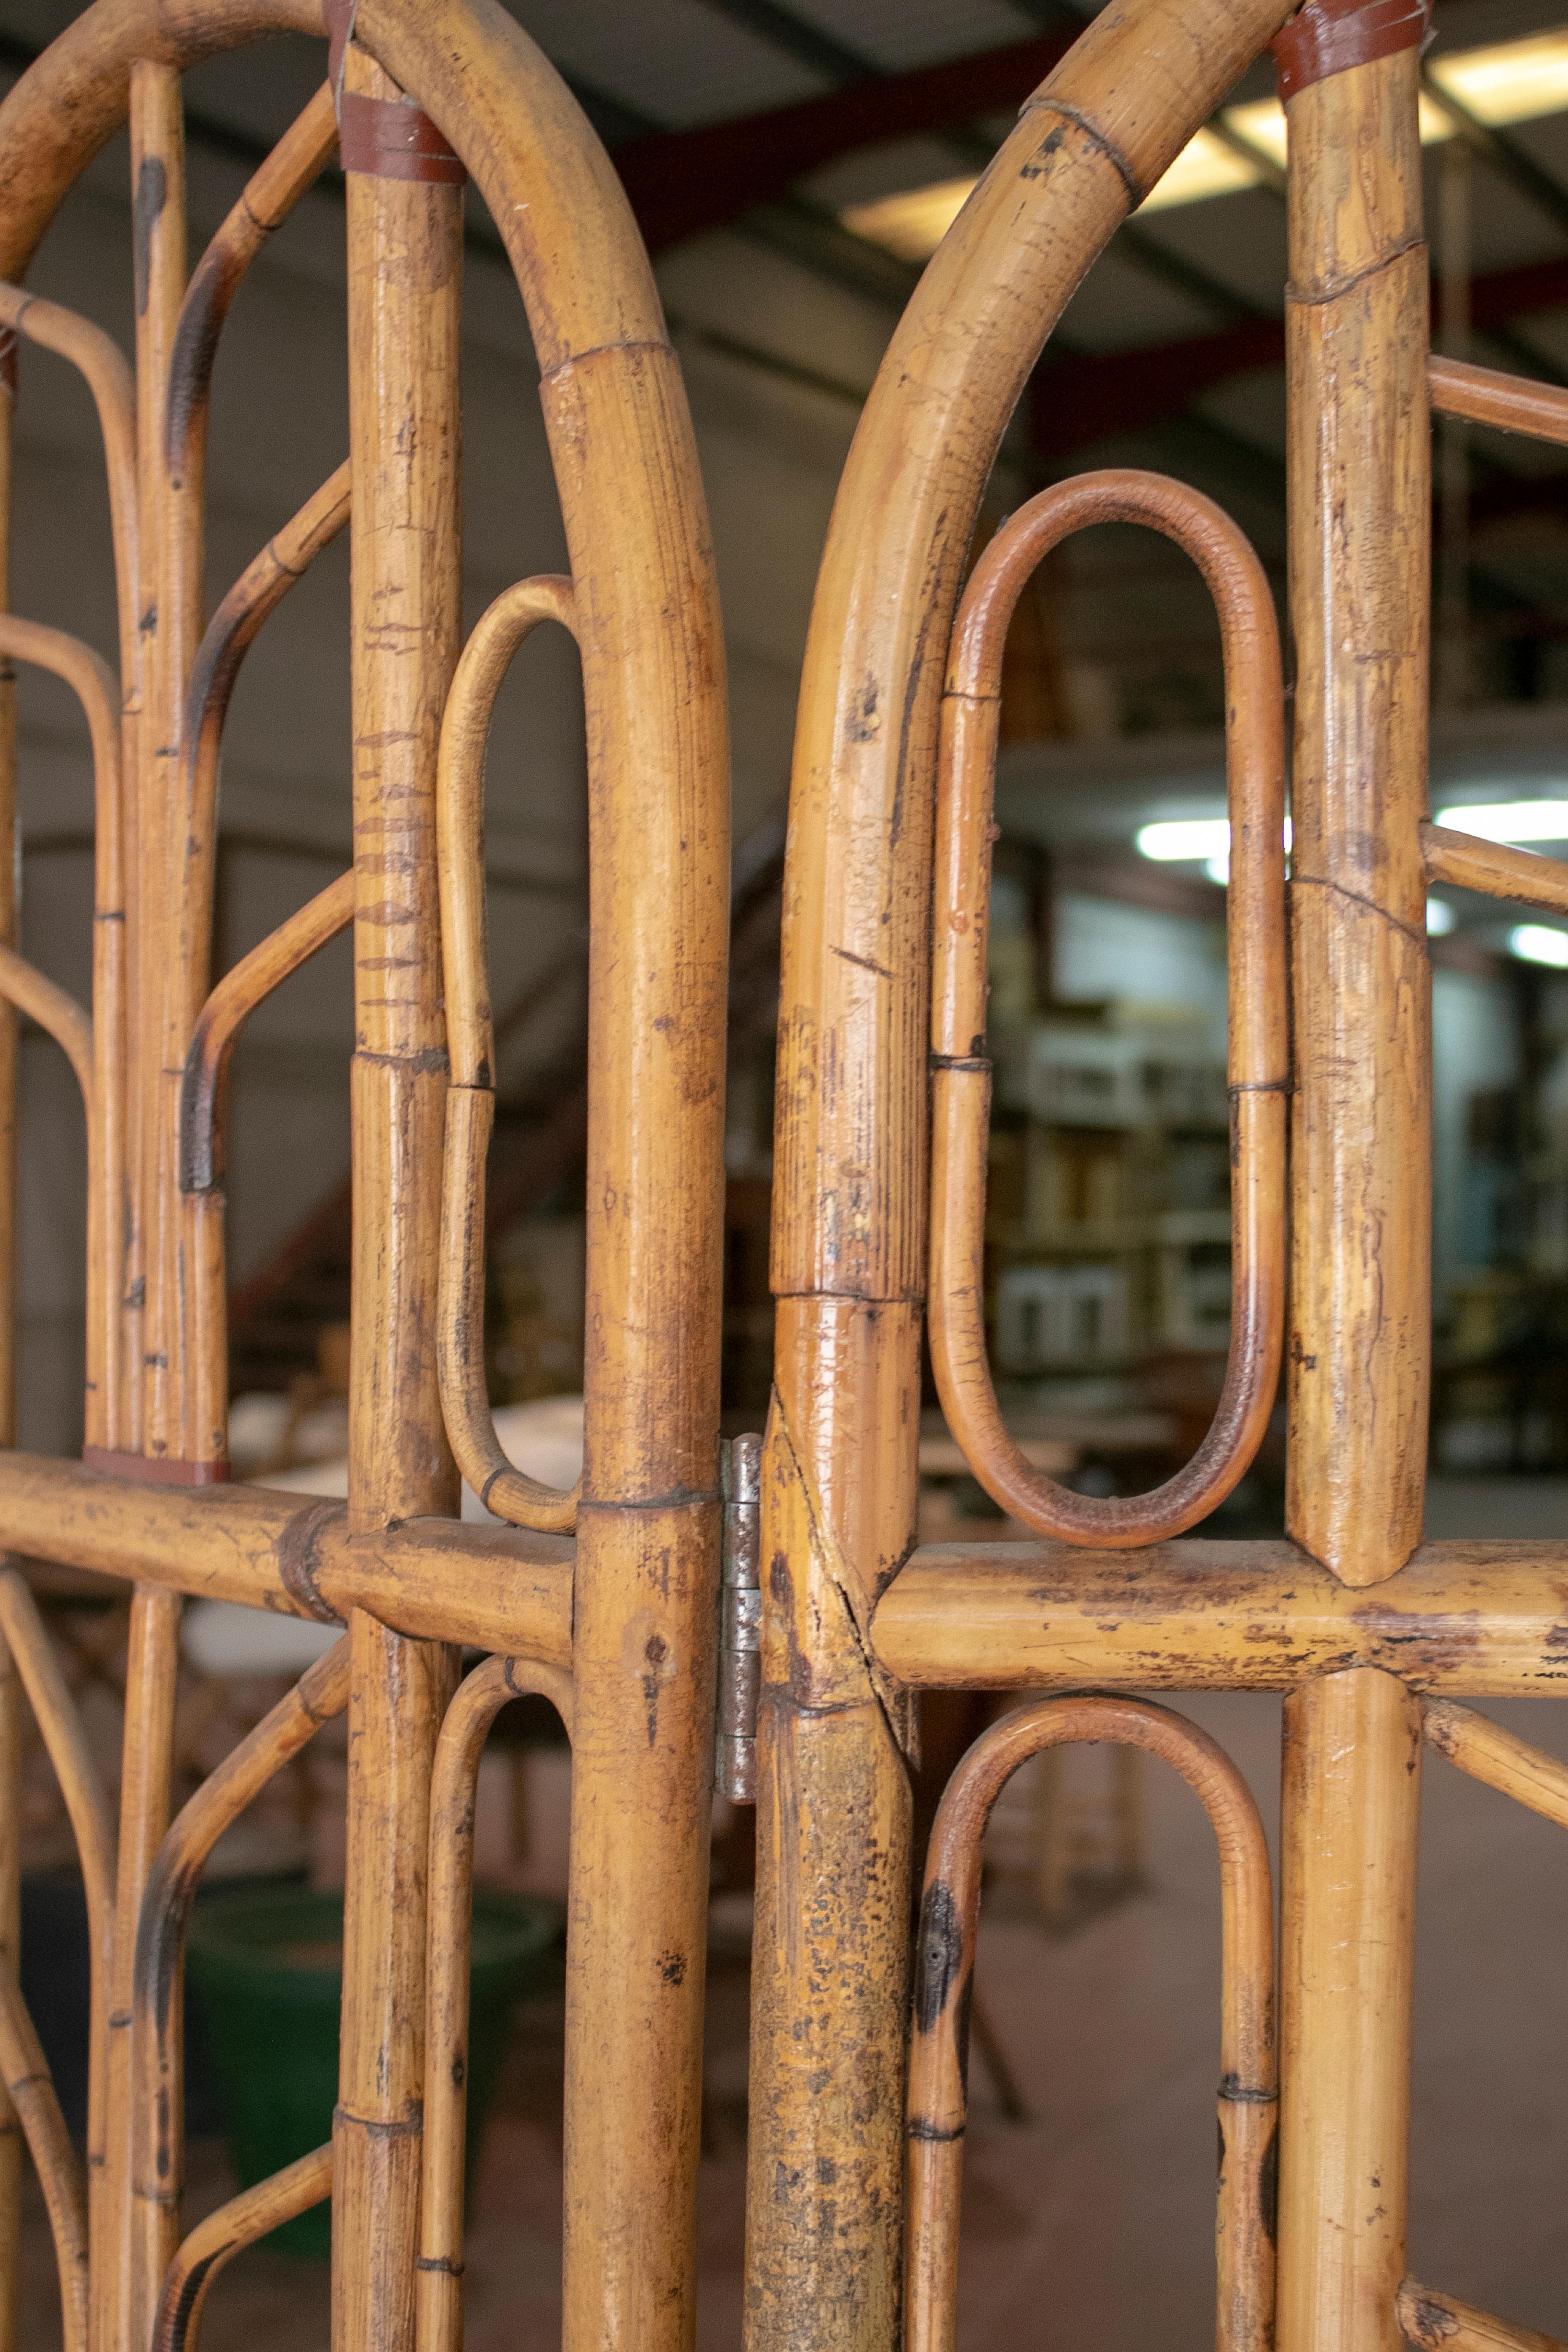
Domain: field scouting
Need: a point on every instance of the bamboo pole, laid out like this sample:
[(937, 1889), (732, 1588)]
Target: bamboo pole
[(405, 242), (1359, 447), (1349, 1807), (1361, 1282), (849, 1231), (1361, 1181), (1462, 1620)]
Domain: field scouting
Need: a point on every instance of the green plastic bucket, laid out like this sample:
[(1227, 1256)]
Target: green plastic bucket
[(267, 1966)]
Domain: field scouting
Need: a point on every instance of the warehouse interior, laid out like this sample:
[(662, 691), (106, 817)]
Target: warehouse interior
[(792, 164)]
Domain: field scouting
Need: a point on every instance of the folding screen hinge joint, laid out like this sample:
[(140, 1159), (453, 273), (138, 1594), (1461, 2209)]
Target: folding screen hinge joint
[(740, 1624)]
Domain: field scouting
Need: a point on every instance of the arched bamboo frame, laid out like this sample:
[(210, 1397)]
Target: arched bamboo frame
[(1258, 1024), (645, 1553), (945, 1944)]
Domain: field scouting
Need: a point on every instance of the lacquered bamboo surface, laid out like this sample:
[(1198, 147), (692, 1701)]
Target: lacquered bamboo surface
[(226, 2232)]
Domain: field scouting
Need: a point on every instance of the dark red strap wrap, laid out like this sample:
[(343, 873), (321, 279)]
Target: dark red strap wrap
[(154, 1469), (1329, 36), (393, 139)]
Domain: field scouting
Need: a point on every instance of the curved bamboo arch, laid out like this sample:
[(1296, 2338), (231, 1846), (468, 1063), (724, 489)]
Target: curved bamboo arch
[(1258, 1043), (1249, 2065)]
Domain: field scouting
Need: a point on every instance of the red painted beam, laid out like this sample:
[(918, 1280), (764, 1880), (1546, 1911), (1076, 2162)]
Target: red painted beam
[(1091, 396), (682, 182)]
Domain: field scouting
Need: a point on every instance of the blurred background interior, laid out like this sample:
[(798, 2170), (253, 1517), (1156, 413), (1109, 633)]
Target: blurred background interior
[(793, 163)]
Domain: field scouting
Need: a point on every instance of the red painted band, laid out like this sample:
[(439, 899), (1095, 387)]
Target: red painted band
[(154, 1469), (395, 139), (1329, 36)]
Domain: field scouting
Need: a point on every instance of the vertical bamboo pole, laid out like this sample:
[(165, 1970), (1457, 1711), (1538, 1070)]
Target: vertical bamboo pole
[(1360, 588), (123, 2256), (1349, 1802), (10, 1688), (404, 245), (1360, 1347)]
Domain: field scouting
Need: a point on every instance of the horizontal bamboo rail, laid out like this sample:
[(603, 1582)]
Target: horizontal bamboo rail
[(1513, 404), (449, 1900), (499, 634), (1431, 2322), (945, 1972), (495, 1589), (227, 2232), (25, 2074), (242, 989), (1465, 1619), (1259, 1051), (1494, 869)]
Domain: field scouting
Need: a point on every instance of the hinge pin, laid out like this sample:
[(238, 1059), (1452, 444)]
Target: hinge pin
[(740, 1624)]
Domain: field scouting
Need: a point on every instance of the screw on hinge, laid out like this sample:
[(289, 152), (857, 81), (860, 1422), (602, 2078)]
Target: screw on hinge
[(740, 1624)]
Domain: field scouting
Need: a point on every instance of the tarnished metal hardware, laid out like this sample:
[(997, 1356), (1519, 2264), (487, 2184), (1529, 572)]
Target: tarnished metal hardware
[(740, 1624)]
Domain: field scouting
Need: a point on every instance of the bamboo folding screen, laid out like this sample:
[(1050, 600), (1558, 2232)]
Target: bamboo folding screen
[(605, 1600), (649, 1605)]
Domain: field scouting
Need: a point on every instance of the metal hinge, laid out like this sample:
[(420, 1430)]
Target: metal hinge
[(740, 1624)]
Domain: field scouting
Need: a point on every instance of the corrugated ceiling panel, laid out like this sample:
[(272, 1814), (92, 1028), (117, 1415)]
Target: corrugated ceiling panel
[(673, 60)]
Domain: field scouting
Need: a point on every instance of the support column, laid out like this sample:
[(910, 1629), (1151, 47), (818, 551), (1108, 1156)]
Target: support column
[(1361, 1173), (404, 247)]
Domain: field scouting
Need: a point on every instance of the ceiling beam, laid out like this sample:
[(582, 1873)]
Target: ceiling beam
[(1092, 395), (683, 183)]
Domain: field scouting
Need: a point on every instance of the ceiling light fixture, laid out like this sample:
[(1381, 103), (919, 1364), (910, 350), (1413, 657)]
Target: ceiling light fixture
[(1509, 81), (1540, 943)]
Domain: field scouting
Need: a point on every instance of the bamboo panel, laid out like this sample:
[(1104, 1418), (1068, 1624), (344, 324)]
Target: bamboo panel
[(848, 1244), (1464, 1619)]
